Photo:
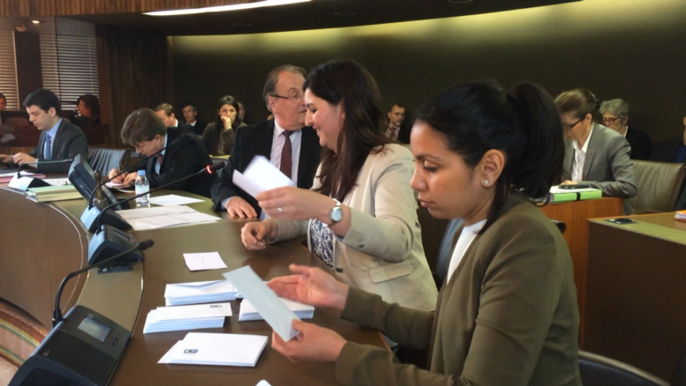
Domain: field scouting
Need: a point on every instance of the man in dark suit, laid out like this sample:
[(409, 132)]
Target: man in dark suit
[(165, 112), (190, 114), (671, 150), (283, 92), (183, 156), (3, 107), (59, 140)]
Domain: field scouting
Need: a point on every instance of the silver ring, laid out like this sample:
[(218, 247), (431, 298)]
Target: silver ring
[(280, 210)]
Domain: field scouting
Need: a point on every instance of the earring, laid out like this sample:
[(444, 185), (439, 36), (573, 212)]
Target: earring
[(486, 182)]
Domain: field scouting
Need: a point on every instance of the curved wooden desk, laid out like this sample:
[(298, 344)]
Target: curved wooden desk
[(127, 297), (39, 245)]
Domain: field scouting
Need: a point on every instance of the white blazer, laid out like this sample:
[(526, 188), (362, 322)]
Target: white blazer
[(382, 253)]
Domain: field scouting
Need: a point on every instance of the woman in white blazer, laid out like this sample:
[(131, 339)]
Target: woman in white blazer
[(360, 217)]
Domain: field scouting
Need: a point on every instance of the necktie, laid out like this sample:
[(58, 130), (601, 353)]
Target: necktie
[(160, 157), (47, 154), (286, 161)]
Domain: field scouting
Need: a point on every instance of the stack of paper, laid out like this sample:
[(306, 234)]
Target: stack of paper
[(199, 292), (53, 193), (216, 349), (164, 216), (680, 215), (563, 195), (187, 317), (248, 311)]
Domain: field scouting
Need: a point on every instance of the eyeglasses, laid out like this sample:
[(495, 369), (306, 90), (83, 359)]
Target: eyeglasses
[(575, 123), (609, 120), (295, 98)]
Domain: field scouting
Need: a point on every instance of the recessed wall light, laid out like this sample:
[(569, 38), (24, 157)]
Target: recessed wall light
[(224, 8), (36, 21)]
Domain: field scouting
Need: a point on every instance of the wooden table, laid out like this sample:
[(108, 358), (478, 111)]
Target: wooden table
[(635, 292), (41, 243), (575, 215)]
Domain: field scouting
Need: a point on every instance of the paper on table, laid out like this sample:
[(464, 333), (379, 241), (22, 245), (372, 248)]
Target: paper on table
[(57, 181), (260, 176), (274, 311), (201, 348), (204, 261), (153, 212), (171, 220), (195, 311), (173, 199), (198, 288)]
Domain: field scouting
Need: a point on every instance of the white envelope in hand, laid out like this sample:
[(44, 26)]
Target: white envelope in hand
[(260, 176)]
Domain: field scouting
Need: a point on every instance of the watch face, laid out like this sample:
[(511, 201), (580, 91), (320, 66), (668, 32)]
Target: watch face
[(336, 214)]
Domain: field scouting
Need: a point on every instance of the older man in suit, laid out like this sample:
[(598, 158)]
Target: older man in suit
[(285, 141), (59, 140)]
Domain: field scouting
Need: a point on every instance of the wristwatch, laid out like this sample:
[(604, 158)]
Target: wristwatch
[(336, 212)]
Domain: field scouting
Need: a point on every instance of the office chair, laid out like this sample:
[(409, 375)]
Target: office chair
[(597, 370)]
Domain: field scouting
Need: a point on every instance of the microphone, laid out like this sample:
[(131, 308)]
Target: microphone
[(57, 313), (127, 170), (209, 169)]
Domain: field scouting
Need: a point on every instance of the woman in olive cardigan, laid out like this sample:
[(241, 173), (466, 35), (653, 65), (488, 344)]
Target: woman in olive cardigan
[(507, 313)]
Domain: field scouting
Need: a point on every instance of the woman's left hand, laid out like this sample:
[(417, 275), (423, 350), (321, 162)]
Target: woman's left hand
[(313, 344), (291, 203)]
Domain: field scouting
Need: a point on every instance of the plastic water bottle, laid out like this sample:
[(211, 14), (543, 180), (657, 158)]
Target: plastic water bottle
[(142, 186)]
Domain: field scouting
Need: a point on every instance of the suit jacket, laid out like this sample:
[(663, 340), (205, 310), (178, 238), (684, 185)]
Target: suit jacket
[(184, 127), (69, 141), (665, 151), (641, 146), (608, 166), (257, 140), (199, 127), (184, 156), (508, 316), (382, 253)]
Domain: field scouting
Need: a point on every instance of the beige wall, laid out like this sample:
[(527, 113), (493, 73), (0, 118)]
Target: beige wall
[(630, 49)]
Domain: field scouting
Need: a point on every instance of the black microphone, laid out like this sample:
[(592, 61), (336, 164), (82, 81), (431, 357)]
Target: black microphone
[(57, 313), (127, 170), (210, 169)]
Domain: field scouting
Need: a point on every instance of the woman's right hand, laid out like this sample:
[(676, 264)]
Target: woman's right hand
[(311, 286), (226, 121), (254, 234)]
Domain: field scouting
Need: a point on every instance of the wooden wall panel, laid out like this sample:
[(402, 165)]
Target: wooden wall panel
[(136, 72), (29, 8)]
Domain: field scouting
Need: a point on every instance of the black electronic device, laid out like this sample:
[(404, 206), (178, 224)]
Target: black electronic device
[(24, 183), (110, 241), (574, 186), (81, 175), (83, 349)]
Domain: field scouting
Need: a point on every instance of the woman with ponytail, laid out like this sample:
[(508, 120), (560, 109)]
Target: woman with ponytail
[(507, 313), (595, 155)]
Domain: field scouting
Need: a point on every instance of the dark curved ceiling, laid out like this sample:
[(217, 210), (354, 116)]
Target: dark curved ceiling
[(312, 15)]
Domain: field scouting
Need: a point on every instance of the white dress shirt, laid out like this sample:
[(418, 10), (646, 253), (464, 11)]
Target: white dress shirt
[(580, 158)]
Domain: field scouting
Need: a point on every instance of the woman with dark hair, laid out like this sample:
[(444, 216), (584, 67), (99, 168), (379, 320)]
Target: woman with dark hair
[(219, 136), (361, 216), (507, 314), (595, 155)]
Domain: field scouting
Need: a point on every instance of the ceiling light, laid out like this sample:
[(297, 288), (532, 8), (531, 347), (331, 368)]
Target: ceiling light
[(36, 21), (224, 8)]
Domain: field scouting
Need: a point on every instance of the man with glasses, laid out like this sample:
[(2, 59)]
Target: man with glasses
[(616, 116), (285, 141)]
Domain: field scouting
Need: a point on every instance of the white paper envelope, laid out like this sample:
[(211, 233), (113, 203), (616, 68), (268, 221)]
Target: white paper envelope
[(274, 311)]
